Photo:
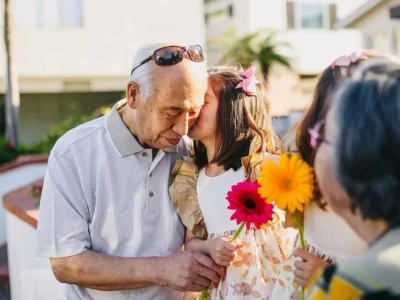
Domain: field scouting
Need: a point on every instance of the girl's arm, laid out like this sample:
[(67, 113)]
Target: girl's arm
[(220, 249), (195, 244), (307, 266)]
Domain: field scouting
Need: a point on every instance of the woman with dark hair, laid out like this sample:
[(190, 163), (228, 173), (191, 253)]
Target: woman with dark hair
[(328, 237), (357, 164), (234, 123)]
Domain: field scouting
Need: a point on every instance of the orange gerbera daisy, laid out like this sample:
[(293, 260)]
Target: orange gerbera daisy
[(290, 185)]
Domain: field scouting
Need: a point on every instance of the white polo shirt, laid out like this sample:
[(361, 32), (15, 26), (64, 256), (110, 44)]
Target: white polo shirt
[(104, 192)]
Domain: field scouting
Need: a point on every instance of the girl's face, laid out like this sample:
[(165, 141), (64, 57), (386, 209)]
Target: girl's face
[(331, 189), (205, 128)]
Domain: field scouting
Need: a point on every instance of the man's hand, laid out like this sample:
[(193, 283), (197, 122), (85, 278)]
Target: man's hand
[(222, 250), (190, 271), (307, 266)]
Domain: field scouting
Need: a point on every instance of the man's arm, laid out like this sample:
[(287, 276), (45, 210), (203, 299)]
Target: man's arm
[(183, 271), (108, 273)]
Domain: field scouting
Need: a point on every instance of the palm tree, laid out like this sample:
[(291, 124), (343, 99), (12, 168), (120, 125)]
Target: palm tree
[(259, 47), (12, 94)]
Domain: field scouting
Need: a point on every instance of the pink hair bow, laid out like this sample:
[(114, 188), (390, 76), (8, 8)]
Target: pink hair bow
[(347, 60), (249, 84)]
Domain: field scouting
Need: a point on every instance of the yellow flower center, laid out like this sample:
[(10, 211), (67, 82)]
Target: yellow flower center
[(286, 184)]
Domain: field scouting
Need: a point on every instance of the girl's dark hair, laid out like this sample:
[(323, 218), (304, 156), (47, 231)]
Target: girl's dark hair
[(368, 141), (240, 119), (328, 82)]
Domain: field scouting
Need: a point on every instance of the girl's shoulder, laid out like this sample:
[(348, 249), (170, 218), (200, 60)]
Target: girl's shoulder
[(183, 194)]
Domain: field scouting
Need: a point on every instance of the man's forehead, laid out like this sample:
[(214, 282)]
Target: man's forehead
[(181, 105)]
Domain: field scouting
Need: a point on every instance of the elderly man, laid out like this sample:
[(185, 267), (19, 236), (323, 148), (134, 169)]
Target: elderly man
[(106, 220)]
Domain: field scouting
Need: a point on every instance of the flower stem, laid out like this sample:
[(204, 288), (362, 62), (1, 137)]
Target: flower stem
[(301, 230), (204, 293), (302, 241), (238, 231)]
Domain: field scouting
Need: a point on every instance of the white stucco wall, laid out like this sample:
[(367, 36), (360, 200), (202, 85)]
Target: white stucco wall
[(312, 49), (377, 25), (103, 47), (12, 180), (31, 277)]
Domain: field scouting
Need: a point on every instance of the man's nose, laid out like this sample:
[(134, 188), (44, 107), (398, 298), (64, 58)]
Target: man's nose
[(181, 127)]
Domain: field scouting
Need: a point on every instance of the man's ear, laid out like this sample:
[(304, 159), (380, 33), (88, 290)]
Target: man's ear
[(132, 94)]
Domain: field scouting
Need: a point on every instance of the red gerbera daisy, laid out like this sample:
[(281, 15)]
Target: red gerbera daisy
[(249, 206)]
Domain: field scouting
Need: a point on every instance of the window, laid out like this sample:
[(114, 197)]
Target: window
[(368, 42), (70, 13), (219, 15), (381, 41), (312, 15), (396, 34)]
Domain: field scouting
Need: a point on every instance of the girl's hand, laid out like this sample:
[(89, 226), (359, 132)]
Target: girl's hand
[(222, 250), (307, 266)]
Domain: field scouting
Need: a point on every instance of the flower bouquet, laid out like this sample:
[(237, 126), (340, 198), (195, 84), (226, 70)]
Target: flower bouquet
[(250, 208), (290, 186)]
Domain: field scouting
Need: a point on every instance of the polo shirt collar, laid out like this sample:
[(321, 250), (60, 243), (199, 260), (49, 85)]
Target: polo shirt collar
[(123, 140)]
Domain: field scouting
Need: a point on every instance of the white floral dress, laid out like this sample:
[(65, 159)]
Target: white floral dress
[(254, 272)]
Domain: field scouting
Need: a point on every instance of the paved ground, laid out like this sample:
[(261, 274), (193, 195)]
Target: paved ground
[(4, 292), (4, 287)]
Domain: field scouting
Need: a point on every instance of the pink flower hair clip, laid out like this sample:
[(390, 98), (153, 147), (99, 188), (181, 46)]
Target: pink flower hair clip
[(347, 60), (249, 83)]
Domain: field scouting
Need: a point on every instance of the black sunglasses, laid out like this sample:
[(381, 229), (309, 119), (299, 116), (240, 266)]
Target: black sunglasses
[(172, 55)]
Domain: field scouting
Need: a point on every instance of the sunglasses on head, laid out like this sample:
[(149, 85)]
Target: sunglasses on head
[(172, 55), (317, 135)]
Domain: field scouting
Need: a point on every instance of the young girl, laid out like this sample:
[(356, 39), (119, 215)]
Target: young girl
[(329, 238), (235, 117)]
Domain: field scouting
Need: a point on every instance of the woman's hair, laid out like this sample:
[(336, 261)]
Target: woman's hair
[(368, 142), (240, 119), (329, 81)]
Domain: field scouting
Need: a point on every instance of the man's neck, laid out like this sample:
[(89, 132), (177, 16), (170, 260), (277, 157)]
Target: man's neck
[(129, 118)]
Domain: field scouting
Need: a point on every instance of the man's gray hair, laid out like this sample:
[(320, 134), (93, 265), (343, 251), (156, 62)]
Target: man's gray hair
[(143, 75)]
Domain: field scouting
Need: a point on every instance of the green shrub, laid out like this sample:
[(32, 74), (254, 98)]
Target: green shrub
[(58, 130), (7, 151)]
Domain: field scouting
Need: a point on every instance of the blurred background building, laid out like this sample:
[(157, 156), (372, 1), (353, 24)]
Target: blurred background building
[(73, 56), (309, 29), (73, 61)]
